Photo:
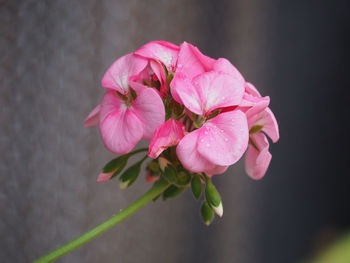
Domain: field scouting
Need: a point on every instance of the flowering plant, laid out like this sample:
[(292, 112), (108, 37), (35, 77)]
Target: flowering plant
[(199, 114)]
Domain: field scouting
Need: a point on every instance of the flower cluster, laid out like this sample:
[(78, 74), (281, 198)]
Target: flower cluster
[(199, 114)]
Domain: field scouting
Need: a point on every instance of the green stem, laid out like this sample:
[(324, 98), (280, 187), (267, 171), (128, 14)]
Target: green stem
[(159, 187)]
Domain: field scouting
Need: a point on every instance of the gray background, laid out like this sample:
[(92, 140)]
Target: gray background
[(52, 57)]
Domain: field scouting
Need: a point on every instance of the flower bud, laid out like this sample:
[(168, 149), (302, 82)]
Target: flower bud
[(130, 175), (116, 164), (207, 213), (219, 210), (213, 197), (104, 177), (196, 186)]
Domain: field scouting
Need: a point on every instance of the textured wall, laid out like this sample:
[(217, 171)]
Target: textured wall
[(52, 57)]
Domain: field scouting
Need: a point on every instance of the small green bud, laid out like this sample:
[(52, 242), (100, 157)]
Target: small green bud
[(211, 194), (183, 178), (172, 191), (116, 164), (196, 186), (207, 213)]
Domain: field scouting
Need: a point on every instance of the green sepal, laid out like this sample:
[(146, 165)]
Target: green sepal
[(183, 178), (153, 166), (211, 194), (172, 192), (196, 186), (169, 78), (178, 109), (169, 174), (214, 113), (207, 213), (116, 164), (255, 129), (133, 93)]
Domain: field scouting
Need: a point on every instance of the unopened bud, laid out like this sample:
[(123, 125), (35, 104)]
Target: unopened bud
[(104, 177), (212, 194), (219, 210), (207, 213)]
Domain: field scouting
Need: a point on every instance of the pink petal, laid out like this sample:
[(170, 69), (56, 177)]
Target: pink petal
[(166, 135), (217, 90), (149, 108), (118, 74), (223, 139), (267, 120), (217, 170), (257, 162), (225, 66), (120, 127), (184, 93), (271, 126), (192, 62), (104, 177), (257, 105), (189, 156), (162, 51), (250, 89), (93, 118), (159, 71)]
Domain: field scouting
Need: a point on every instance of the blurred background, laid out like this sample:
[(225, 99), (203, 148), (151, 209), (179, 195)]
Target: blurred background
[(52, 57)]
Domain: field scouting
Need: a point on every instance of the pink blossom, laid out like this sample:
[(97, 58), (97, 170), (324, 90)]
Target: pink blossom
[(220, 142), (123, 120), (160, 54), (166, 135), (260, 118), (122, 126), (203, 85)]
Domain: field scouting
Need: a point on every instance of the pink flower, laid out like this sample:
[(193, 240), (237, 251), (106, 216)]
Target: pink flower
[(123, 119), (260, 118), (160, 54), (203, 85), (166, 135), (220, 142)]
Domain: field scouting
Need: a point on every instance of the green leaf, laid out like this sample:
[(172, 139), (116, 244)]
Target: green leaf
[(207, 213), (196, 186), (172, 191), (130, 175), (116, 164), (211, 194)]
